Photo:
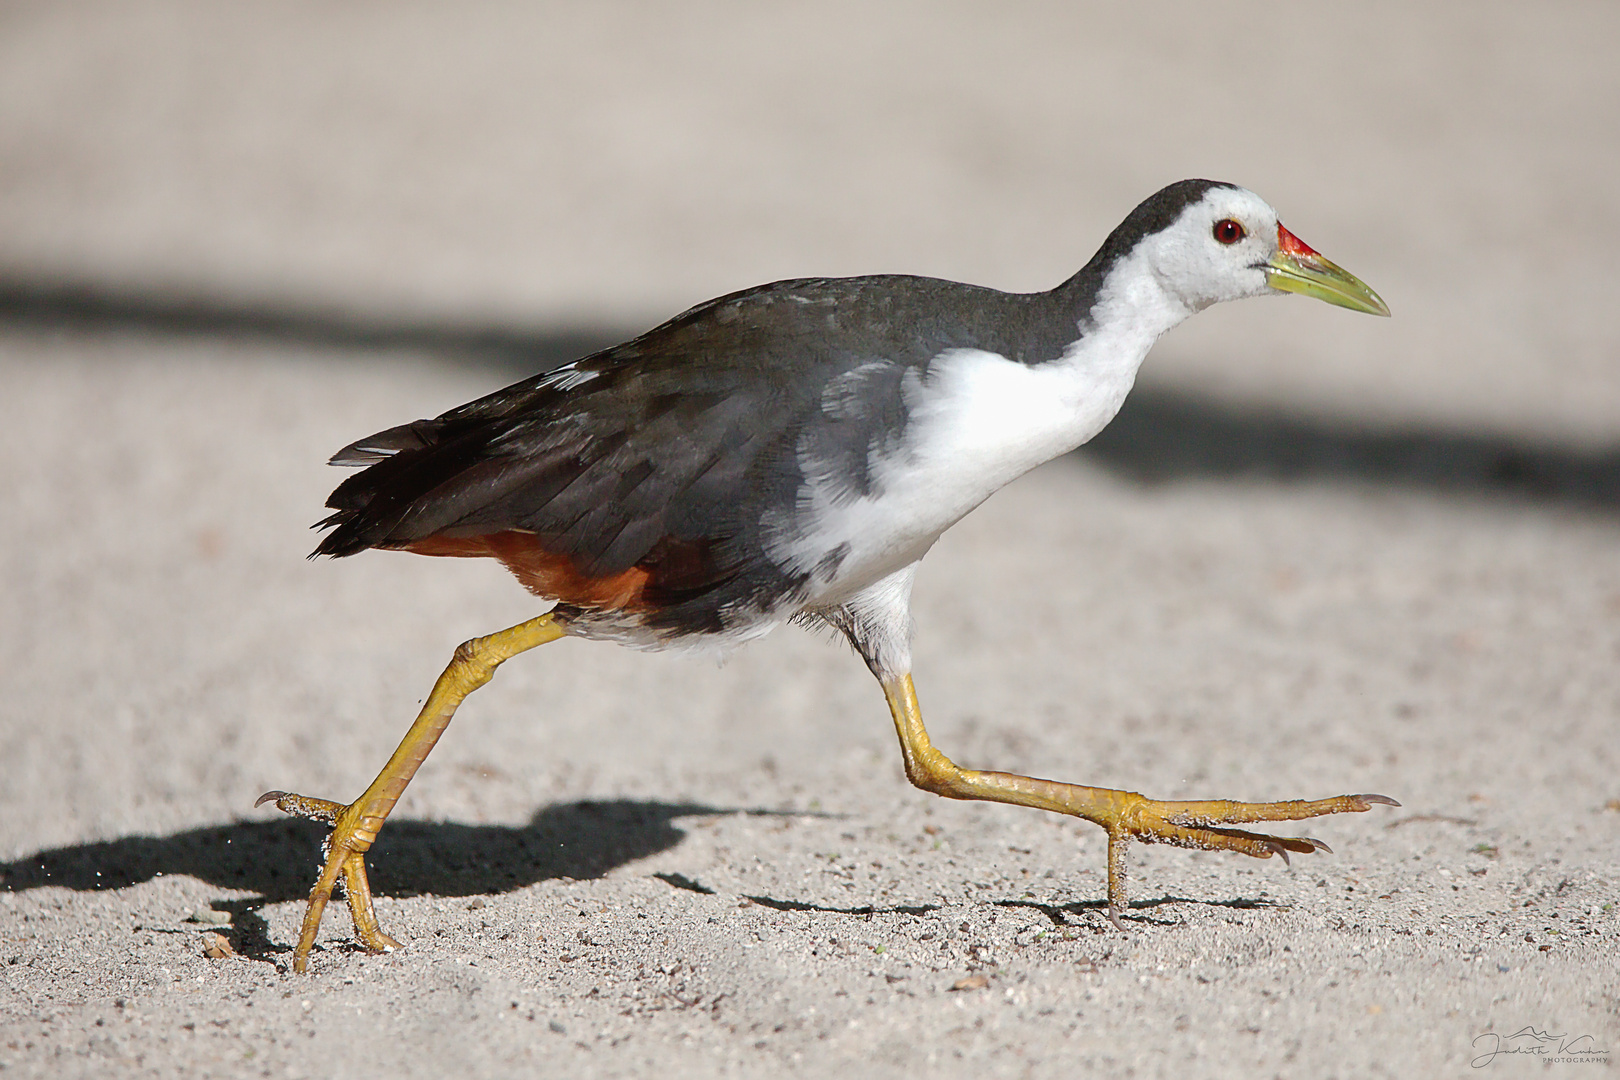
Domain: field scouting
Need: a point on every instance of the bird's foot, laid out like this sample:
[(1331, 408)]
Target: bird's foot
[(1123, 814), (353, 832), (355, 826), (1208, 825)]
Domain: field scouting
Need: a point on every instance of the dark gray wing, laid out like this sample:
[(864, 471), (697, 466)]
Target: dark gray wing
[(684, 436)]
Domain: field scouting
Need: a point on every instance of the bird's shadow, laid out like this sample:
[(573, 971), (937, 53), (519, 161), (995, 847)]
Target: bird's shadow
[(278, 859), (1134, 911)]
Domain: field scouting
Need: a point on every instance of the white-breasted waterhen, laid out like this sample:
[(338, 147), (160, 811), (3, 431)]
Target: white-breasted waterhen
[(790, 452)]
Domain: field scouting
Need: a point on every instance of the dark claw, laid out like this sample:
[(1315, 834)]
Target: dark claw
[(1278, 849), (1113, 917), (302, 806), (1319, 845), (1384, 800)]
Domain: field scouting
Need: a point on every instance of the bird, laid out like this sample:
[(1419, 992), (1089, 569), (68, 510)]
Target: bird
[(789, 453)]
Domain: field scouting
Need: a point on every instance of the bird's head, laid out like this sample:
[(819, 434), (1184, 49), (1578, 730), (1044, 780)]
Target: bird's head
[(1228, 244)]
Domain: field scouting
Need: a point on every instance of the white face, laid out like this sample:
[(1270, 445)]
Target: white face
[(1217, 249)]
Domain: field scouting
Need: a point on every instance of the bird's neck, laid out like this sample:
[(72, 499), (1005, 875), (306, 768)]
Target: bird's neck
[(1111, 315), (1120, 300)]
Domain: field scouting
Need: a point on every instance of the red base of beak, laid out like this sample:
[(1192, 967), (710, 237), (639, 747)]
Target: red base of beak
[(1293, 245)]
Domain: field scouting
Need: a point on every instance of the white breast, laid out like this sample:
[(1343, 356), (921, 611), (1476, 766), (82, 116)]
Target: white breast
[(976, 422)]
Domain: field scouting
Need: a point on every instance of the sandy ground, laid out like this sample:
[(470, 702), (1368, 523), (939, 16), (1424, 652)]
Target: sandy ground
[(1317, 553)]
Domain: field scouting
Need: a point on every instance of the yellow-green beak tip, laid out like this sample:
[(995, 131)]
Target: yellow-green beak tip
[(1298, 268)]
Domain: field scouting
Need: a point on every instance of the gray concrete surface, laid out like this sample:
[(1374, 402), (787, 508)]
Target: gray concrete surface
[(1317, 553)]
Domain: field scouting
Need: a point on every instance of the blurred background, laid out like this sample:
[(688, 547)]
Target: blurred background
[(560, 173), (234, 237), (1317, 552)]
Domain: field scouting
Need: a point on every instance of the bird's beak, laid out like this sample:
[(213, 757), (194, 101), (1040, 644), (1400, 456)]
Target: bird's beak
[(1297, 268)]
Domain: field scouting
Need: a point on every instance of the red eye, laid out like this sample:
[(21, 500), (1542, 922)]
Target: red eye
[(1228, 231)]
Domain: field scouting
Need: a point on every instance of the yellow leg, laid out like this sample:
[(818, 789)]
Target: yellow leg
[(1124, 814), (355, 826)]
